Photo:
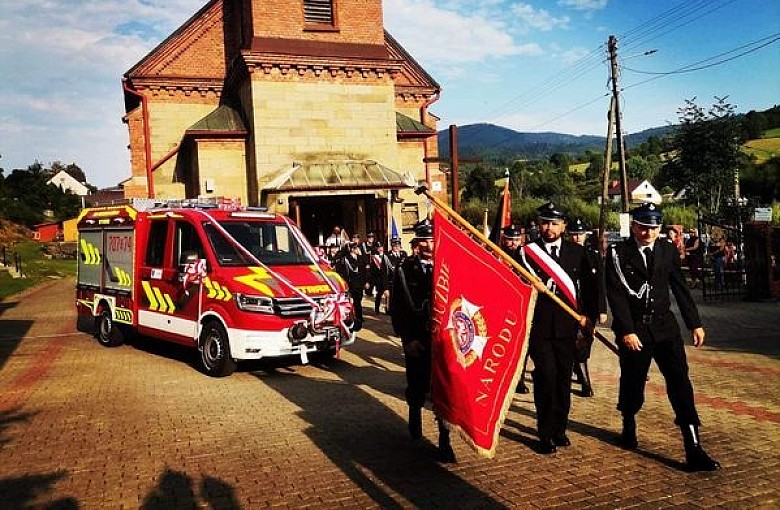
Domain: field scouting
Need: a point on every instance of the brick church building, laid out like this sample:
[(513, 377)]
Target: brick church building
[(307, 107)]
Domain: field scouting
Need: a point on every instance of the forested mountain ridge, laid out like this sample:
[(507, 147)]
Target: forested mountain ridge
[(484, 140)]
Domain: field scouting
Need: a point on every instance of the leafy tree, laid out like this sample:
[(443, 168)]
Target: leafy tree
[(595, 169), (76, 172), (708, 147), (547, 182), (761, 182), (480, 184), (561, 161), (639, 167), (755, 124), (680, 215), (25, 195)]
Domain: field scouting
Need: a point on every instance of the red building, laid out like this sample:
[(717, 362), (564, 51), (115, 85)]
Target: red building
[(47, 232)]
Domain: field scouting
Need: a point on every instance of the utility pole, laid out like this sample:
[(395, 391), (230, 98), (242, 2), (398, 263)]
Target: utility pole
[(607, 170), (612, 46), (454, 168)]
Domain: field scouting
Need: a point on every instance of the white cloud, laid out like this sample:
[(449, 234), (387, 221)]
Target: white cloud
[(63, 62), (572, 55), (537, 19), (436, 35), (584, 5)]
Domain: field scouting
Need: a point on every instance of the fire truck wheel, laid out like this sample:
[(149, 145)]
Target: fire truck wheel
[(108, 333), (215, 351)]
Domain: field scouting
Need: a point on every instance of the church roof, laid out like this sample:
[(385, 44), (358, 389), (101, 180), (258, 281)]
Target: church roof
[(407, 126), (222, 120)]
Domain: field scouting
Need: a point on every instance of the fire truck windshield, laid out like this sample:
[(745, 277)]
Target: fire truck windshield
[(272, 243)]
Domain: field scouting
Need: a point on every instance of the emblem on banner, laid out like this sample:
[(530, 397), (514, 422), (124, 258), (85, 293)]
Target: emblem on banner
[(468, 331)]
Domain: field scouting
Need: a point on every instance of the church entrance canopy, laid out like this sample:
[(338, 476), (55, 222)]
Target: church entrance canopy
[(354, 194)]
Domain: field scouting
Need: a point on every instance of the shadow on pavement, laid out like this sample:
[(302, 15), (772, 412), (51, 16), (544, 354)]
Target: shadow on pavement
[(165, 349), (176, 489), (369, 442), (12, 333), (604, 435), (22, 491)]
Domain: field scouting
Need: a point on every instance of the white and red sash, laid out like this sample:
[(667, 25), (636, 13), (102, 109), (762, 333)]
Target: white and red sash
[(551, 269)]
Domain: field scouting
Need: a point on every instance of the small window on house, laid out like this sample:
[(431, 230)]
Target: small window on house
[(318, 12)]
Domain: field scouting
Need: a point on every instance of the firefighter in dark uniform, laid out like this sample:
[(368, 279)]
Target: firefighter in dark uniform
[(553, 334), (411, 318), (511, 240), (353, 270), (640, 272), (395, 256), (578, 231)]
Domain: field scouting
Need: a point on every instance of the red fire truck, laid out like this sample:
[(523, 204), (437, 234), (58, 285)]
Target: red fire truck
[(236, 282)]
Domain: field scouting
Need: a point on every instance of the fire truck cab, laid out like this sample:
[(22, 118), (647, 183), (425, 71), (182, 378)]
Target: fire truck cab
[(237, 283)]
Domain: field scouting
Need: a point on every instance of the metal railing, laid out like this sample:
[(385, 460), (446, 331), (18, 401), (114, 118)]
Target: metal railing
[(15, 264)]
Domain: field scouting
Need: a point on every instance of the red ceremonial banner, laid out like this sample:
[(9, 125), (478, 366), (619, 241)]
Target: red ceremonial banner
[(482, 315)]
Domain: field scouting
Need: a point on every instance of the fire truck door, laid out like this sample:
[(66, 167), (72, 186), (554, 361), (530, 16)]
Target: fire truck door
[(169, 306)]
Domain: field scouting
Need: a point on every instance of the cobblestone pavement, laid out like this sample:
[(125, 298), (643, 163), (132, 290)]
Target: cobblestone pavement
[(82, 426)]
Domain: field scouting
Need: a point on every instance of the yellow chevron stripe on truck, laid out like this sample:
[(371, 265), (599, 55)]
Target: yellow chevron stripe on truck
[(90, 253), (158, 300), (216, 291), (123, 276)]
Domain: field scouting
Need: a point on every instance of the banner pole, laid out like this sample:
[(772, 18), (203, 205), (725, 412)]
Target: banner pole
[(538, 285)]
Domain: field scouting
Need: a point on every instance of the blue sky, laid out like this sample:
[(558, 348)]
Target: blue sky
[(529, 66)]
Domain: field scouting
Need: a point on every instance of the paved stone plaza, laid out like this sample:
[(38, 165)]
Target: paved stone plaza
[(83, 426)]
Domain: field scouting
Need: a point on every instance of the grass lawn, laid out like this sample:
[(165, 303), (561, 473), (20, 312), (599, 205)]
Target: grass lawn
[(763, 148), (35, 266), (772, 133)]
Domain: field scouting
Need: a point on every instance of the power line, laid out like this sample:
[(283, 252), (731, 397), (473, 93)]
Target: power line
[(580, 107), (678, 20), (684, 13), (690, 67), (672, 19)]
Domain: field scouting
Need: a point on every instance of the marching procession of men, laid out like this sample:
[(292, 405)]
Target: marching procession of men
[(636, 278)]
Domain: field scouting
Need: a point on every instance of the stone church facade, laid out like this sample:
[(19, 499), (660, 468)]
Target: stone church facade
[(307, 107)]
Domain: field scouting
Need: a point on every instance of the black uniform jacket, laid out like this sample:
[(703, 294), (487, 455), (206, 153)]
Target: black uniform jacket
[(629, 310), (410, 301), (595, 278), (353, 271), (395, 261), (550, 320), (381, 275)]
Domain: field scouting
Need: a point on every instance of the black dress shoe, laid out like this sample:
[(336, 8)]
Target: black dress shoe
[(587, 390), (547, 446), (698, 460), (628, 439), (561, 440), (522, 388), (445, 454)]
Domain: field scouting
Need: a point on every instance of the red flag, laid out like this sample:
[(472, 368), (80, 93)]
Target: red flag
[(503, 214), (481, 320)]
